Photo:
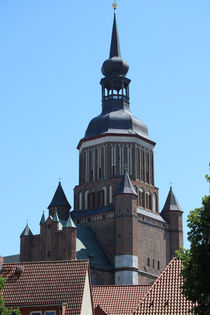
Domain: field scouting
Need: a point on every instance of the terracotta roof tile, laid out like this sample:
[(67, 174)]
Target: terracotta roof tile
[(116, 300), (164, 296), (45, 283)]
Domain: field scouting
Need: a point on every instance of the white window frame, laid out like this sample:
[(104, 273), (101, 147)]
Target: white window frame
[(45, 313), (36, 312)]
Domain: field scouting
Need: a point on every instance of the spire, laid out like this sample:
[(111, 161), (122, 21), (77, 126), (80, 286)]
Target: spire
[(70, 222), (42, 221), (126, 186), (171, 203), (115, 44), (59, 198), (26, 231), (55, 217)]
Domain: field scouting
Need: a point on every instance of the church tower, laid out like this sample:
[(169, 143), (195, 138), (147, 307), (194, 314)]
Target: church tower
[(116, 141)]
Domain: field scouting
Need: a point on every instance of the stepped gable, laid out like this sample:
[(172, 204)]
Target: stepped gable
[(165, 295), (118, 299), (45, 283)]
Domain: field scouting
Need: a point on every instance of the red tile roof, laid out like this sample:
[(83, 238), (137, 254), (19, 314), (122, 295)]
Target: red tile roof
[(116, 300), (45, 283), (164, 296)]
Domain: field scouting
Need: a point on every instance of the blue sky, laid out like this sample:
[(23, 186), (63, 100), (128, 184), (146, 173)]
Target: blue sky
[(51, 56)]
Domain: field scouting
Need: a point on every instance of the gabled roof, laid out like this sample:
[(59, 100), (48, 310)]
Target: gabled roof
[(26, 231), (165, 295), (117, 300), (46, 283), (59, 198), (126, 186), (171, 203)]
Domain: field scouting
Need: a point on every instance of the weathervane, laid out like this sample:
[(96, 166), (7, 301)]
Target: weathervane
[(114, 5)]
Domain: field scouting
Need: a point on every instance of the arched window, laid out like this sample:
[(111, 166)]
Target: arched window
[(110, 194), (155, 208), (104, 196), (80, 201), (148, 200), (86, 199), (141, 198)]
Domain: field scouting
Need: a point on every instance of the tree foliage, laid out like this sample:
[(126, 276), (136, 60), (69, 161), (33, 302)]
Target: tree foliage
[(3, 309), (196, 260)]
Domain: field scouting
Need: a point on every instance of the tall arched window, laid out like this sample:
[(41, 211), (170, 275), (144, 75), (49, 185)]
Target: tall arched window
[(105, 195), (80, 201), (86, 199), (110, 194), (148, 200), (141, 198), (155, 208)]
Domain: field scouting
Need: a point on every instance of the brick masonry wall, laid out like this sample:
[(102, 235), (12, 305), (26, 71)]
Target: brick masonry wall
[(153, 247)]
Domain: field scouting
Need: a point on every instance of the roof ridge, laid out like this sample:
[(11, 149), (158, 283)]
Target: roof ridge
[(154, 283), (47, 262), (122, 285)]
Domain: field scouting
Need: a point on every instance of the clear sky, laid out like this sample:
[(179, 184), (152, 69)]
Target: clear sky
[(50, 67)]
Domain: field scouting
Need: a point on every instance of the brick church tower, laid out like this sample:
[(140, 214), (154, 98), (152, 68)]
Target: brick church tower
[(116, 195), (117, 224)]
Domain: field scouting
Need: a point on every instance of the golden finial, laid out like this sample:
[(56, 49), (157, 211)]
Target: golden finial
[(114, 5)]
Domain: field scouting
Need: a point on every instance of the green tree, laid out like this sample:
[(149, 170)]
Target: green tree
[(196, 260), (3, 309)]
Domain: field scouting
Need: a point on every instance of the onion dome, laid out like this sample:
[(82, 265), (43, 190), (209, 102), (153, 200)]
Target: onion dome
[(115, 65)]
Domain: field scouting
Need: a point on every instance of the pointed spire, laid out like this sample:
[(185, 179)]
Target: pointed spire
[(55, 217), (59, 198), (26, 231), (126, 186), (42, 221), (115, 44), (171, 203), (70, 222)]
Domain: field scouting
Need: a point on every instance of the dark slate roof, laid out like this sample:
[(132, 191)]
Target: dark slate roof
[(115, 44), (42, 221), (59, 198), (150, 214), (119, 121), (171, 203), (26, 231), (126, 186)]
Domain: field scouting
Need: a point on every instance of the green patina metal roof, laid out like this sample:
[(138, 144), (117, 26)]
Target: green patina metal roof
[(55, 217), (70, 222)]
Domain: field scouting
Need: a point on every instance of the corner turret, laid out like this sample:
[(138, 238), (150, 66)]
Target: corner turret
[(126, 256), (172, 214)]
